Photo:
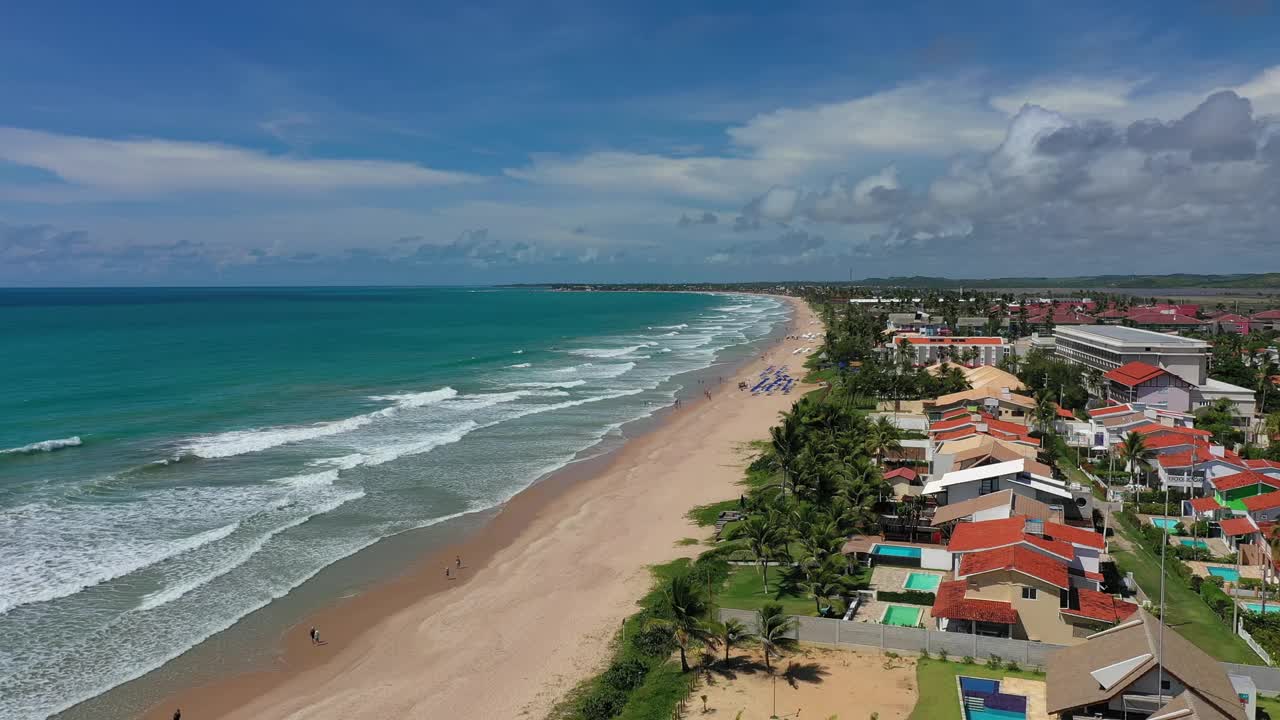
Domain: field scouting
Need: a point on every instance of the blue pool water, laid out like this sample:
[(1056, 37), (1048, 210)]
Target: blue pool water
[(1196, 544), (989, 714), (1164, 523), (1226, 573), (896, 551), (978, 685), (1257, 607)]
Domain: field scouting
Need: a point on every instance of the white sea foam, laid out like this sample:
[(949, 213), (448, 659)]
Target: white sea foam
[(240, 442), (50, 572), (44, 446), (517, 352), (609, 352), (521, 365), (546, 385), (196, 578), (413, 400), (396, 448)]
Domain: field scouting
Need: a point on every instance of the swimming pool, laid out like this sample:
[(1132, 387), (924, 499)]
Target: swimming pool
[(1257, 607), (982, 700), (901, 615), (1200, 544), (1165, 523), (896, 551), (1226, 573), (923, 581)]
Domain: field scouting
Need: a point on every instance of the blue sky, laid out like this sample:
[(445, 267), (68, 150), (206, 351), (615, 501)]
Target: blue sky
[(337, 143)]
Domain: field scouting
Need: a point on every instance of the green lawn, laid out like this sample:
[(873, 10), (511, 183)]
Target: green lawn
[(1185, 612), (937, 686), (1271, 705), (745, 591), (706, 515)]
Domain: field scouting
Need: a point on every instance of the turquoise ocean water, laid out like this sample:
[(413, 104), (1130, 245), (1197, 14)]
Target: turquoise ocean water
[(171, 460)]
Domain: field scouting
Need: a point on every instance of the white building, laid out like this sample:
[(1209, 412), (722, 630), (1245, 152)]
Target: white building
[(1107, 347)]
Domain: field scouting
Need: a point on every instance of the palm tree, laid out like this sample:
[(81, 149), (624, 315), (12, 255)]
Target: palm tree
[(763, 537), (730, 633), (771, 630), (823, 583), (683, 609), (1136, 454), (787, 441), (882, 437), (1046, 415)]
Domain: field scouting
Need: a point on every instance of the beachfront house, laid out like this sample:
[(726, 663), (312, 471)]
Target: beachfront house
[(1138, 669), (1017, 592), (1231, 491), (999, 402), (1000, 505), (1077, 549), (905, 482), (1197, 469), (959, 485), (1154, 387)]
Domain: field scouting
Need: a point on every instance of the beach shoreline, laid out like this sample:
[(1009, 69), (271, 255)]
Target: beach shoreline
[(555, 568)]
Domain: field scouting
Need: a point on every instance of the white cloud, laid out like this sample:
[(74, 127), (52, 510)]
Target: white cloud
[(149, 166), (792, 145)]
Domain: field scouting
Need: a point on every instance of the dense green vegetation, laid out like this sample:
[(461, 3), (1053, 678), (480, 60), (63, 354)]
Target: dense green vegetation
[(1193, 607)]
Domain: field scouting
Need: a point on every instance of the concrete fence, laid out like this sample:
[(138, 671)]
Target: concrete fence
[(872, 636), (830, 631)]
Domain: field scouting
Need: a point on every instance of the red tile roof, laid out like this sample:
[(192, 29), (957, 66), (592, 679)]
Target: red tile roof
[(950, 423), (1183, 459), (956, 434), (1168, 440), (1153, 428), (987, 534), (1265, 501), (951, 603), (1205, 504), (1057, 547), (954, 413), (1101, 606), (1110, 410), (1238, 526), (1074, 535), (1134, 374), (1243, 479), (1016, 559), (1267, 315), (1262, 464), (901, 472), (1159, 318)]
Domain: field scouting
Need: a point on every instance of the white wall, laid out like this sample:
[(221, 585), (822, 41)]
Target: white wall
[(935, 559)]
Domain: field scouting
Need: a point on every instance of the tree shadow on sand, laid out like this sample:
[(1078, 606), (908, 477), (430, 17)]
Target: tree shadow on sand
[(734, 666), (807, 672)]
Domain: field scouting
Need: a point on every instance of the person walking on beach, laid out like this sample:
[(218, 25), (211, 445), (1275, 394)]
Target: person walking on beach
[(458, 561), (448, 574), (314, 635), (177, 714)]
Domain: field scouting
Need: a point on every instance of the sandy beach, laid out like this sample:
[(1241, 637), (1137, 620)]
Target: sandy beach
[(541, 589)]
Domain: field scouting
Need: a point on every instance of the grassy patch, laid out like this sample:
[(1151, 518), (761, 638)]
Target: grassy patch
[(1185, 612), (684, 542), (744, 590), (937, 686), (1271, 705), (706, 515), (661, 692)]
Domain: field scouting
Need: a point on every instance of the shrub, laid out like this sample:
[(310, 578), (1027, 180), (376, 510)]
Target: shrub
[(626, 674), (911, 597), (602, 703), (1196, 582), (967, 660), (1012, 666), (993, 662), (654, 641)]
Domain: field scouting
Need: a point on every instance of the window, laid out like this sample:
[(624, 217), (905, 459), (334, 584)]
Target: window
[(1028, 593), (988, 485), (1164, 685)]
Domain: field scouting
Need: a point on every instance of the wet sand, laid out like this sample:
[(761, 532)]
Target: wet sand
[(541, 590)]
